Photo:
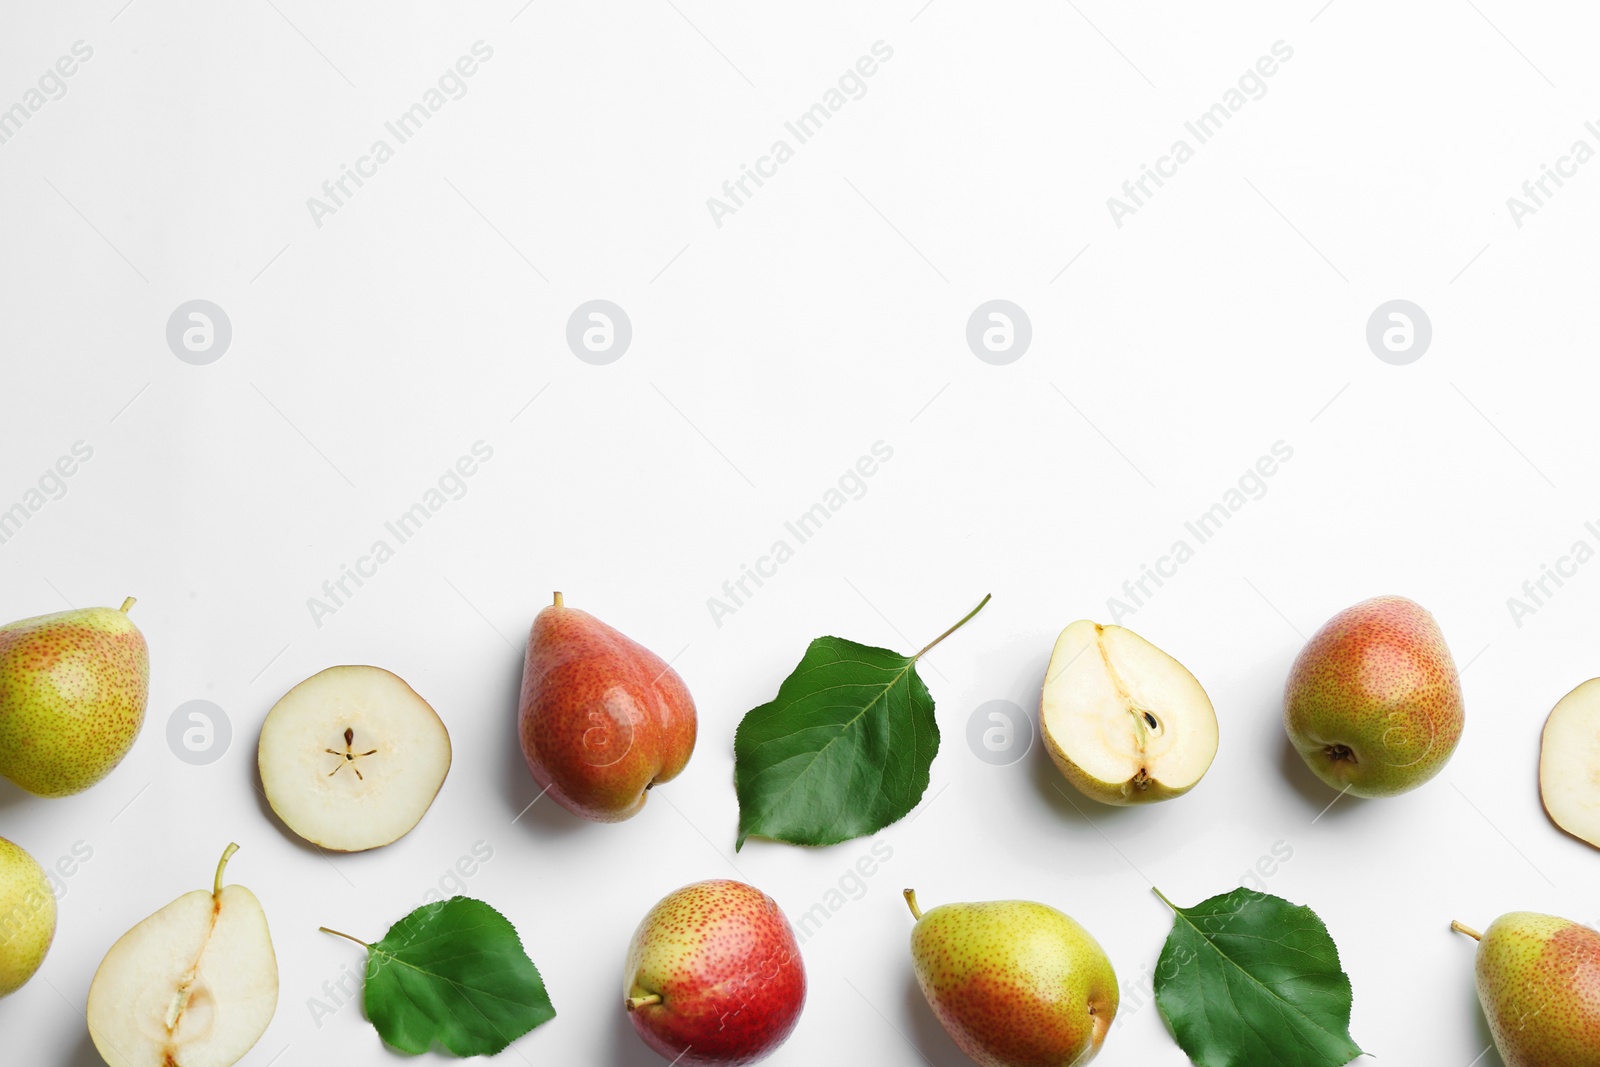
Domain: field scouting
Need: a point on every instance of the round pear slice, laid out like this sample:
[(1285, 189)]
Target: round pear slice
[(351, 758), (1569, 763), (194, 985), (1125, 722)]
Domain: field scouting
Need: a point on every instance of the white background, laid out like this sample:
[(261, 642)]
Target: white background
[(768, 354)]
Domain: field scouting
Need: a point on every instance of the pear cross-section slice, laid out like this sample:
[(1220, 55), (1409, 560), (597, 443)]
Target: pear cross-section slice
[(351, 758), (1125, 722), (1569, 763), (194, 985)]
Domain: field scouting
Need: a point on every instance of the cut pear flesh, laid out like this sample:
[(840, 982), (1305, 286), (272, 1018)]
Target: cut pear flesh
[(1125, 722), (1569, 763), (351, 758), (194, 985)]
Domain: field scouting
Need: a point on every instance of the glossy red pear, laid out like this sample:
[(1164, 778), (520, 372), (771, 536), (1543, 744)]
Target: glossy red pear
[(602, 719)]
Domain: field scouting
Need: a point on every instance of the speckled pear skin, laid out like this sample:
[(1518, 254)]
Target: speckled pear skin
[(27, 917), (601, 718), (1539, 983), (723, 959), (1015, 984), (1373, 702), (73, 690)]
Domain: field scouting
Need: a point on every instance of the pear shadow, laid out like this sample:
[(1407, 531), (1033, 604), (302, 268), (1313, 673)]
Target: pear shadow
[(927, 1033), (84, 1054), (1318, 795), (12, 795), (1063, 797), (627, 1047)]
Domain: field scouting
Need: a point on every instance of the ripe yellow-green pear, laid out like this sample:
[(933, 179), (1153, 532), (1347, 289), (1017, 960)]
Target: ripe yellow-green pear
[(1014, 983), (1123, 721), (351, 758), (73, 688), (27, 917), (1373, 703), (194, 985), (1569, 763), (1539, 983)]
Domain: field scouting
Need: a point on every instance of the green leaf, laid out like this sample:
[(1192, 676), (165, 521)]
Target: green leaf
[(1247, 979), (454, 973), (843, 751)]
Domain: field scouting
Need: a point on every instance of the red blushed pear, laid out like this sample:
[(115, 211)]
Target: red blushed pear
[(714, 976), (1538, 980), (1373, 703), (1014, 983), (602, 718)]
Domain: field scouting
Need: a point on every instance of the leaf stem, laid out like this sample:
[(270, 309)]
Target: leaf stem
[(1163, 897), (964, 620), (347, 937), (1469, 931)]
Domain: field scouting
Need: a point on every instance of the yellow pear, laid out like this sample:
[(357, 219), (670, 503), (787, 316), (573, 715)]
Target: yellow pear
[(27, 917)]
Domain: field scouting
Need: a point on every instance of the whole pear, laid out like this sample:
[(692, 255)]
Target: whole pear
[(1014, 983), (714, 977), (602, 719), (1373, 702), (27, 917), (1539, 983), (73, 689)]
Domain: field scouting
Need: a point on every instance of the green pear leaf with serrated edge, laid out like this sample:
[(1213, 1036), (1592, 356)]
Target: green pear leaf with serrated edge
[(843, 751), (1248, 979), (454, 973)]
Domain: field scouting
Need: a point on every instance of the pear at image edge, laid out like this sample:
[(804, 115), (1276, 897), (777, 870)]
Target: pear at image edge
[(352, 758), (1014, 982), (1373, 702), (196, 982), (1530, 966), (1124, 722), (601, 719), (1569, 763), (73, 691), (27, 917)]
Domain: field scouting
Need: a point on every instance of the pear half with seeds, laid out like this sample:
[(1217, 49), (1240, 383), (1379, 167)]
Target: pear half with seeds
[(351, 758), (1123, 721), (194, 985)]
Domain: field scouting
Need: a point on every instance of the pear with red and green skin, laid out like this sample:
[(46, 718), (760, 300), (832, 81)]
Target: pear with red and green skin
[(1538, 980), (602, 719), (1373, 702), (714, 977), (1014, 983), (73, 690)]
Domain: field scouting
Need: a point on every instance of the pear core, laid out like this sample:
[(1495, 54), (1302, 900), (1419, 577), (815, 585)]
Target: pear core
[(1123, 721)]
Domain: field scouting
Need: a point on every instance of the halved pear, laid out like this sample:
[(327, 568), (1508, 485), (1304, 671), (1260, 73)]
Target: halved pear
[(351, 758), (1569, 763), (194, 985), (1125, 722)]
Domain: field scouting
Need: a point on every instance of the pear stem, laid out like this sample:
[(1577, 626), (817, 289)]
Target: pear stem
[(559, 602), (347, 937), (911, 902), (126, 604), (227, 854), (1469, 931), (964, 620), (635, 1003)]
